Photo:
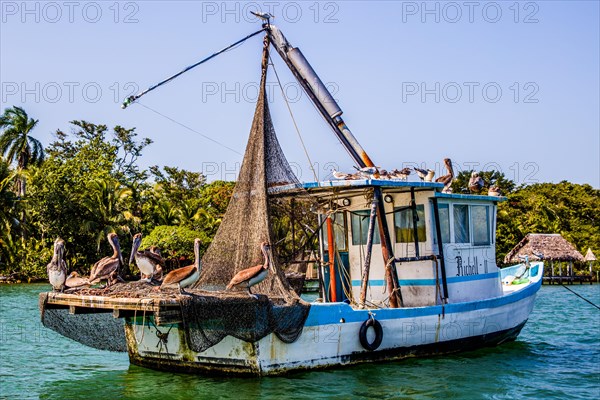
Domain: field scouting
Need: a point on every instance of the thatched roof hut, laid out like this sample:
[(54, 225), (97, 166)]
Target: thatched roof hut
[(552, 247), (589, 256)]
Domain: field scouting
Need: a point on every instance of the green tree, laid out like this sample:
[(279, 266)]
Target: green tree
[(569, 209), (84, 190), (17, 144)]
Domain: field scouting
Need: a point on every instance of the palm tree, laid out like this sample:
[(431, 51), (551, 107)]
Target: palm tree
[(17, 144)]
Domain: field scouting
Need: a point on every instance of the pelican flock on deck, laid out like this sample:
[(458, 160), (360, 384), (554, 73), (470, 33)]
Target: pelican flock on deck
[(186, 276), (108, 267), (249, 277), (57, 268), (147, 261)]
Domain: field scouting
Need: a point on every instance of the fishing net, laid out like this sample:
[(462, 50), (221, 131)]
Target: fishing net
[(99, 330), (236, 246)]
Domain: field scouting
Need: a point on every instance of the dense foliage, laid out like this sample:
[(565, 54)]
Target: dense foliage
[(87, 183)]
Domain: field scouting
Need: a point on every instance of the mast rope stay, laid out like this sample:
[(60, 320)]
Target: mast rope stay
[(133, 98)]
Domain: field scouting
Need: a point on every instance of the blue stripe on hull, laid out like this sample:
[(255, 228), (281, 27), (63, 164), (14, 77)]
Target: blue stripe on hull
[(432, 282), (331, 313)]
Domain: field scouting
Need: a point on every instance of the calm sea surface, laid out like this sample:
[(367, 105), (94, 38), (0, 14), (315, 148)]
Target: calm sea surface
[(557, 356)]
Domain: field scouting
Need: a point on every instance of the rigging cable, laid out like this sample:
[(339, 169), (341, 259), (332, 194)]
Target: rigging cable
[(133, 98), (190, 129), (580, 296), (294, 121)]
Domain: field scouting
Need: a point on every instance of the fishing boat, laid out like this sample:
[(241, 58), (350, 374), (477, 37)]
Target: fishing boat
[(406, 269)]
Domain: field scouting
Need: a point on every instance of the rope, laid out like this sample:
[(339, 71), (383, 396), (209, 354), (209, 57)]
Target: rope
[(310, 164), (581, 297), (131, 99), (190, 129)]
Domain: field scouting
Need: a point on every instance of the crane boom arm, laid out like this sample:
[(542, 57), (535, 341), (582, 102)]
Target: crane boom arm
[(318, 93)]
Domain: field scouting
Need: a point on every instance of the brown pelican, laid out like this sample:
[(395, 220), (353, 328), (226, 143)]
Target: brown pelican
[(146, 260), (108, 267), (158, 272), (249, 277), (447, 179), (57, 268), (475, 182), (186, 276), (75, 281), (494, 191)]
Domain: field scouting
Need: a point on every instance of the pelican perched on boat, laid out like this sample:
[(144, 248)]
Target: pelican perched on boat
[(108, 267), (158, 272), (186, 276), (249, 277), (57, 268), (74, 281), (145, 260), (475, 183), (494, 191), (447, 179)]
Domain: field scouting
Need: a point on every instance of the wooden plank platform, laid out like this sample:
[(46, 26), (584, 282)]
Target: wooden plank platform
[(165, 310)]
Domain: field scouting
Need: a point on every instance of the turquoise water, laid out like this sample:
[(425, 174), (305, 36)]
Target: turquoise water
[(557, 356)]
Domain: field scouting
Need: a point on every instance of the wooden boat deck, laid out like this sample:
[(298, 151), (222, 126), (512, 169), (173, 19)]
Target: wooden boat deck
[(131, 299), (166, 310)]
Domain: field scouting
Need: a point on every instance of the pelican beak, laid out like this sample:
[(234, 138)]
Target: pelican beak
[(134, 248)]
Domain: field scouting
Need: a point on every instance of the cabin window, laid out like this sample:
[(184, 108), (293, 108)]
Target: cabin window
[(480, 218), (339, 232), (444, 213), (461, 223), (403, 222), (360, 228)]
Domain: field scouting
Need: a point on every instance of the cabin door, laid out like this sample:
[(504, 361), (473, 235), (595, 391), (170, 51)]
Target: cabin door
[(341, 264)]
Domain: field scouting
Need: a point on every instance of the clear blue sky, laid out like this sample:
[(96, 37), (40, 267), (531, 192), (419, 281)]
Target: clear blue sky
[(501, 85)]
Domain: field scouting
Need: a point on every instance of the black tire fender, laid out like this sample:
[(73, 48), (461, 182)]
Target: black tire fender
[(362, 335)]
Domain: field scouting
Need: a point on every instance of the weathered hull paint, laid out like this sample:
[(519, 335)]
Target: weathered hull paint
[(331, 337)]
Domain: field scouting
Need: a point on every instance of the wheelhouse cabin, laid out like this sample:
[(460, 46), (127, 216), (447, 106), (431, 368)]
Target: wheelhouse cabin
[(462, 269)]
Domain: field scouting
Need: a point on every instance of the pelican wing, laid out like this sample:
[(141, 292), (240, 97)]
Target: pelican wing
[(153, 257), (103, 268), (244, 275), (178, 275)]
